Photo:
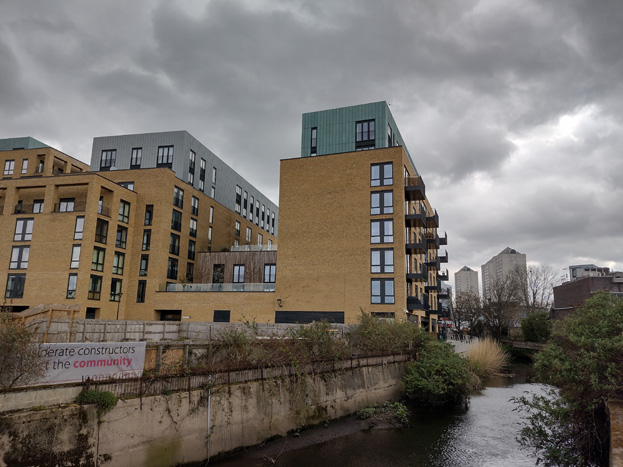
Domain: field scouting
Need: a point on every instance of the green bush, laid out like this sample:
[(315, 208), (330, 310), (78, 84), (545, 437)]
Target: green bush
[(375, 337), (536, 327), (104, 400), (439, 376)]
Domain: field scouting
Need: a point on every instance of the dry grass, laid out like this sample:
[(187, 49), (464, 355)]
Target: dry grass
[(486, 357)]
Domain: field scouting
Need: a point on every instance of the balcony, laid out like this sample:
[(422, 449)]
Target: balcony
[(432, 222), (421, 276), (443, 295), (433, 263), (237, 287), (23, 209), (415, 220), (103, 210), (417, 247), (414, 189), (432, 241), (443, 258), (415, 303), (443, 240), (443, 275), (77, 206)]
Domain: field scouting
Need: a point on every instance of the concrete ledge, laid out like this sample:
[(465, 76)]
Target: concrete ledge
[(29, 398)]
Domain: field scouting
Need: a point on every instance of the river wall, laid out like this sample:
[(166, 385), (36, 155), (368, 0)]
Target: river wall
[(196, 424)]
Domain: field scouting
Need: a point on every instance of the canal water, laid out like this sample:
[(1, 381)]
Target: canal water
[(483, 434)]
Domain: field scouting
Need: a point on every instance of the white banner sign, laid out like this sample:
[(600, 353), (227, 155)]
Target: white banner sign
[(68, 363)]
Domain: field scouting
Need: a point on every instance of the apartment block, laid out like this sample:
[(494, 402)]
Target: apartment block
[(466, 281), (580, 271), (500, 267)]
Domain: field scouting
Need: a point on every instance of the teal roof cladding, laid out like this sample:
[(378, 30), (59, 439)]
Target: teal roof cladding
[(26, 142), (336, 129)]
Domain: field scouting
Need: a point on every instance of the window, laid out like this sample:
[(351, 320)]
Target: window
[(140, 291), (66, 204), (137, 156), (238, 205), (191, 178), (212, 192), (381, 202), (37, 206), (213, 174), (211, 214), (267, 220), (364, 135), (124, 211), (95, 287), (174, 245), (236, 242), (97, 263), (128, 185), (245, 197), (193, 227), (194, 206), (191, 167), (190, 272), (270, 244), (115, 290), (260, 239), (389, 136), (79, 229), (19, 257), (118, 262), (176, 221), (144, 265), (101, 231), (251, 208), (9, 167), (272, 223), (146, 239), (210, 234), (24, 166), (270, 271), (178, 197), (75, 257), (314, 141), (382, 291), (71, 286), (381, 174), (262, 217), (237, 229), (221, 316), (23, 230), (108, 160), (172, 269), (15, 286), (191, 249), (248, 238), (122, 236), (257, 212), (382, 231), (382, 261), (165, 156), (149, 214), (238, 273), (202, 173), (218, 274)]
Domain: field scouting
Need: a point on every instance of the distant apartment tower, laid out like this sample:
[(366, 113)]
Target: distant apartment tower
[(580, 271), (500, 267), (466, 281)]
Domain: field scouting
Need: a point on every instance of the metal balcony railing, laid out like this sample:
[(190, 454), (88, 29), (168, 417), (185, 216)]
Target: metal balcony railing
[(414, 188), (237, 287)]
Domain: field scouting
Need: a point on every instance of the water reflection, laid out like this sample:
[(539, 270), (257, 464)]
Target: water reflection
[(482, 435)]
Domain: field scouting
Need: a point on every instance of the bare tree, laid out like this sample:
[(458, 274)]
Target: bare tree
[(466, 310), (539, 287), (501, 308), (21, 362)]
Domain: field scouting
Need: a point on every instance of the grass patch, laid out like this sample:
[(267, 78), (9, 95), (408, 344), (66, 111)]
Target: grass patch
[(486, 357), (105, 400), (394, 410)]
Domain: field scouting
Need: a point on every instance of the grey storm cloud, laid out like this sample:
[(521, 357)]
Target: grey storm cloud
[(512, 111)]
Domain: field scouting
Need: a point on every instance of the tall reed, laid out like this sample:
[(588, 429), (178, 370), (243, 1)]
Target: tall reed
[(486, 357)]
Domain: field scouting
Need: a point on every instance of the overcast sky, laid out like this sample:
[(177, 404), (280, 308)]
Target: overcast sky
[(512, 110)]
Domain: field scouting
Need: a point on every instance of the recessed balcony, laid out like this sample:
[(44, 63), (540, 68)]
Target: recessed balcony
[(421, 276), (414, 189)]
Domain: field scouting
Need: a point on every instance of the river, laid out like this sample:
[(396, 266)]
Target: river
[(482, 435)]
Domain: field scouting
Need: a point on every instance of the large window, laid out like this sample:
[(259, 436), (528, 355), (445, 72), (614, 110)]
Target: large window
[(122, 237), (19, 257), (382, 291), (101, 231), (95, 287), (172, 269), (193, 227), (137, 156), (117, 263), (165, 156), (124, 211), (178, 197), (140, 291), (218, 274), (66, 205), (75, 257), (381, 174), (15, 286), (24, 166), (174, 245), (79, 229), (248, 237), (97, 262), (9, 167), (72, 282), (194, 206), (191, 249), (381, 202), (37, 206), (260, 239), (238, 273), (382, 231), (149, 214), (238, 205), (144, 265), (146, 239), (270, 272), (115, 290), (364, 135), (176, 221), (109, 159), (382, 260), (23, 230)]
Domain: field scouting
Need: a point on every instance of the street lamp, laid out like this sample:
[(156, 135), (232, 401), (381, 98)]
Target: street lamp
[(118, 302)]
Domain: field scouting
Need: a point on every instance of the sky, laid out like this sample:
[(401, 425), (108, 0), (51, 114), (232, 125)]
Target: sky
[(511, 110)]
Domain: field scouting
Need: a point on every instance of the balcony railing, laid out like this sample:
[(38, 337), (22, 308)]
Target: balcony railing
[(443, 275), (103, 210), (78, 206), (443, 258), (432, 288), (415, 303), (23, 209), (432, 221), (432, 241), (239, 287), (415, 219), (443, 240), (414, 188), (421, 275), (254, 248), (433, 263), (443, 295), (417, 246)]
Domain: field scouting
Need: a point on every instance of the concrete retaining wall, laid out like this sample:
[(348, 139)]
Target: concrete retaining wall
[(193, 425)]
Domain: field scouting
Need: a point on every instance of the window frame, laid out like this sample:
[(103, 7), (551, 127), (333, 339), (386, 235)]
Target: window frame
[(124, 211), (164, 156), (382, 237), (238, 276), (174, 244), (108, 159), (381, 178), (98, 258), (95, 287), (72, 280), (74, 262), (384, 298), (121, 238), (118, 262), (17, 261), (383, 265), (136, 158), (379, 205), (25, 233), (17, 281)]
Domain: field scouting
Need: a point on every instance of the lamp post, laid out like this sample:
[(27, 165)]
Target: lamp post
[(118, 303)]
